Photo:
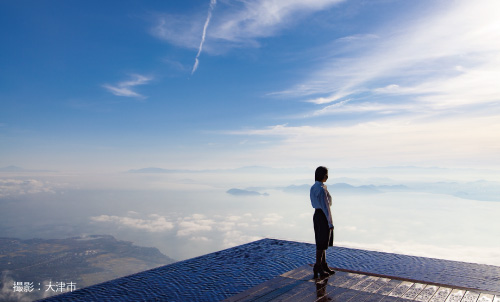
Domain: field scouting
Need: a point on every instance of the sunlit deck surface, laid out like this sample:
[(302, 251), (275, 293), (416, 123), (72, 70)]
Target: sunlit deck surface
[(276, 270), (344, 285)]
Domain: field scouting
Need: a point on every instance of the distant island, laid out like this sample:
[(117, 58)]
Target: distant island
[(81, 261)]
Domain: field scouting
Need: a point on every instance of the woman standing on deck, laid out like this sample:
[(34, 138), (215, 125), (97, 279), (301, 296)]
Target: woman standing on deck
[(322, 219)]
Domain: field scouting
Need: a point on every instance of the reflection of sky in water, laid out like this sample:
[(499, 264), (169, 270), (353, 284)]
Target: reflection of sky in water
[(174, 211)]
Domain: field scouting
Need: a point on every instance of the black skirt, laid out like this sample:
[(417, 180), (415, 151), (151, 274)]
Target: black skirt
[(322, 233)]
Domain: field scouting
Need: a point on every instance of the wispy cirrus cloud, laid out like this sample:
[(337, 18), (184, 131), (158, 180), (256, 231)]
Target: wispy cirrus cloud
[(398, 140), (125, 88), (200, 48), (441, 60), (380, 108), (412, 91), (237, 24), (264, 18)]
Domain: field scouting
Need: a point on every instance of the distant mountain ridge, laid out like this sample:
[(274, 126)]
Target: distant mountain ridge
[(347, 188), (477, 190), (241, 192)]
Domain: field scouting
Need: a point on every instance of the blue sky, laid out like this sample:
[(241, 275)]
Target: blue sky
[(114, 85)]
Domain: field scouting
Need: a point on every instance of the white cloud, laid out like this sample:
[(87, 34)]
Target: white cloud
[(237, 24), (330, 99), (14, 187), (271, 219), (125, 88), (343, 107), (200, 238), (225, 226), (392, 141), (349, 228), (231, 229), (233, 218), (193, 225), (156, 223), (196, 226), (264, 18), (235, 237), (419, 59)]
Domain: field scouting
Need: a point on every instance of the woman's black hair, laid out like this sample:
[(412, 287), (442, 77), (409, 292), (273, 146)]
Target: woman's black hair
[(320, 173)]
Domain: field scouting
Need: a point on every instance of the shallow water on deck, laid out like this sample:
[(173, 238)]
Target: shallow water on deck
[(219, 275)]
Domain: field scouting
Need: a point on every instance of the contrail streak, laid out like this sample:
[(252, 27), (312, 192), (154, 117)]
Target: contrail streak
[(209, 16)]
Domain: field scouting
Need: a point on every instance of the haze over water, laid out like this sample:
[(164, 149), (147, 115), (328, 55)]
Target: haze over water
[(191, 213)]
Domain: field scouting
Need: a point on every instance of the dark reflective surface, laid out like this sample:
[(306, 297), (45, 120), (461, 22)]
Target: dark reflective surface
[(220, 275)]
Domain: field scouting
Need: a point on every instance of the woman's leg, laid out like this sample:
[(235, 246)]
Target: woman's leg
[(320, 230), (319, 256), (318, 268), (324, 265)]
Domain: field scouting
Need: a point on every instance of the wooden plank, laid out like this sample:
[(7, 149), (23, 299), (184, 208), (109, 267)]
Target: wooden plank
[(352, 280), (315, 290), (401, 289), (347, 295), (373, 298), (289, 273), (377, 285), (389, 287), (393, 299), (338, 279), (485, 298), (326, 292), (364, 283), (298, 285), (304, 272), (456, 295), (320, 293), (441, 294), (470, 296), (272, 295), (258, 289), (427, 293), (334, 293), (269, 289), (299, 273), (303, 290), (365, 297), (413, 292)]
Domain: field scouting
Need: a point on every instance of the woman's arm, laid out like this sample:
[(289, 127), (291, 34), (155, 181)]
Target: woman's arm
[(328, 196), (325, 206)]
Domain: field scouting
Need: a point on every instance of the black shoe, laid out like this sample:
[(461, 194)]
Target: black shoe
[(317, 269), (326, 269)]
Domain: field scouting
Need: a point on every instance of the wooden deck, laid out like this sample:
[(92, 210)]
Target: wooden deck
[(344, 286)]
